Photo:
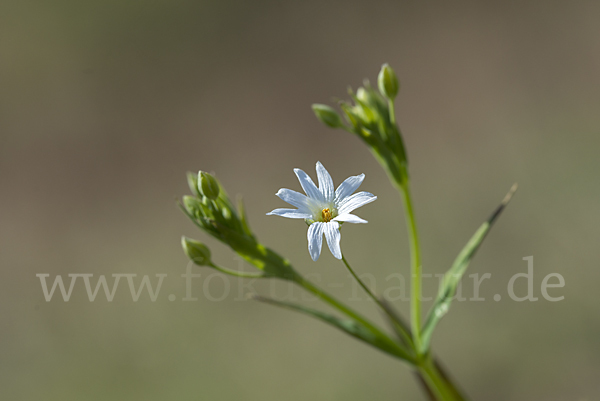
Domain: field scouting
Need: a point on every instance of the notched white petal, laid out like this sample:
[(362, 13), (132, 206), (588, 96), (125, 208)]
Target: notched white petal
[(315, 240), (347, 187), (350, 218), (308, 185), (293, 198), (332, 234), (290, 213), (325, 183), (355, 201)]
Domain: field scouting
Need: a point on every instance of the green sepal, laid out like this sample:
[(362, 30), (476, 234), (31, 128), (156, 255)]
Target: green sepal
[(192, 180)]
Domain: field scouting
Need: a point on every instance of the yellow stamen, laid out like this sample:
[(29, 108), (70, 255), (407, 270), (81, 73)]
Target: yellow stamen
[(326, 215)]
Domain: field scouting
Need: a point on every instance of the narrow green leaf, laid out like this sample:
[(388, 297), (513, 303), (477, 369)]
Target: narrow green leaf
[(348, 326), (453, 276)]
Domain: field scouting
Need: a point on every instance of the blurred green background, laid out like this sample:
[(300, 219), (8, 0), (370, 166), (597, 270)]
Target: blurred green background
[(105, 105)]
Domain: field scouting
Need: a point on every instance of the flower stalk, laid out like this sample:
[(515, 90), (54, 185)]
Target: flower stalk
[(415, 257), (403, 331)]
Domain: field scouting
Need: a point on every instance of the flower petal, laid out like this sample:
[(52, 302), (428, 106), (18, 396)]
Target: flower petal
[(302, 202), (315, 240), (347, 187), (290, 213), (349, 218), (308, 185), (355, 201), (325, 183), (332, 234)]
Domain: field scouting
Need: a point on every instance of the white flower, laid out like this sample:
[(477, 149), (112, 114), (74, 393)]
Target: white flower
[(324, 209)]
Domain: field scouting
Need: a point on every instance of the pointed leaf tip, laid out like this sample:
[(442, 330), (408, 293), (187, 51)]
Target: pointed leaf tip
[(510, 193), (503, 204)]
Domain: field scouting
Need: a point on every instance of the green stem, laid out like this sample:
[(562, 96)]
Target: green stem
[(392, 113), (310, 287), (405, 334), (236, 272), (415, 256), (437, 382)]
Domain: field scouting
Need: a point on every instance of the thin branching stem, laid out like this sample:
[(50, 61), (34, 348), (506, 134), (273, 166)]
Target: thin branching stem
[(310, 287), (406, 335)]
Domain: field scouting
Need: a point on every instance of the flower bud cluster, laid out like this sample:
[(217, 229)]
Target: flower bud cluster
[(370, 116), (211, 210)]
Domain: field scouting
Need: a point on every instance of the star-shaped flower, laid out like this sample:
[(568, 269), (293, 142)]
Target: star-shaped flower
[(324, 209)]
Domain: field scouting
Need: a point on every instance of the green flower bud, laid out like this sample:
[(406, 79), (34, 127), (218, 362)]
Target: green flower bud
[(362, 107), (387, 82), (196, 251), (327, 115), (208, 185), (192, 205), (362, 95)]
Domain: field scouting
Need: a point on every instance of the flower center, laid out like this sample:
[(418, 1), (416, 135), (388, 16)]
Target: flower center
[(326, 215)]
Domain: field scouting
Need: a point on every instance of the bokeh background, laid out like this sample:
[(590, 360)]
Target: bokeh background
[(104, 106)]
